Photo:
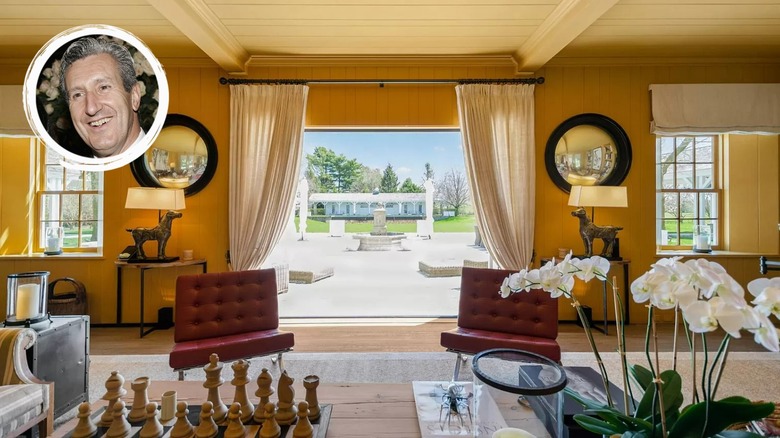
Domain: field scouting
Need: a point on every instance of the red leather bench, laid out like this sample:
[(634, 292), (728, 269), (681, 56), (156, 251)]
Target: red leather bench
[(524, 321), (232, 314)]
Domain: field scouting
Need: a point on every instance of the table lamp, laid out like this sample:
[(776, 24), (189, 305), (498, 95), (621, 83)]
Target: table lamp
[(154, 199), (597, 196)]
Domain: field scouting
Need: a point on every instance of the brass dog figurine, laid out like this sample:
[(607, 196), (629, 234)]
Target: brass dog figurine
[(589, 232), (160, 233)]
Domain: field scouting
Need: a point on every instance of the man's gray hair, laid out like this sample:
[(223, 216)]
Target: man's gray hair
[(89, 46)]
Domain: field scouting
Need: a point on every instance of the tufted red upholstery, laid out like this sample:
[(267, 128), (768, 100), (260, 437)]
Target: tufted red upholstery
[(523, 321), (233, 314)]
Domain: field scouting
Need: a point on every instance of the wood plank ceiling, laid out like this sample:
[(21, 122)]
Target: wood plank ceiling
[(529, 33)]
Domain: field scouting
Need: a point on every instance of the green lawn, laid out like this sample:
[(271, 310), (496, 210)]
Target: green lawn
[(460, 224)]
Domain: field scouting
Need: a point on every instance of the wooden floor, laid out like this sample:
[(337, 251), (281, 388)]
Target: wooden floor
[(389, 335)]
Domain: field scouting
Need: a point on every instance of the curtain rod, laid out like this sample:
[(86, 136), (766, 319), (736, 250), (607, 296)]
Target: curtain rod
[(381, 82)]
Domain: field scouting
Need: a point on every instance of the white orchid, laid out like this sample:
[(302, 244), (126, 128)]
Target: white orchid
[(593, 267), (767, 293), (707, 316), (765, 333), (516, 282)]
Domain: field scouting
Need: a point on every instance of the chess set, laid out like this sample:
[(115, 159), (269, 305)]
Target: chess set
[(242, 419)]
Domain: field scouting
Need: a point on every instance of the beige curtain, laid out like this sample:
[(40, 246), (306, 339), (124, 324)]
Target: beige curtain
[(497, 127), (266, 134)]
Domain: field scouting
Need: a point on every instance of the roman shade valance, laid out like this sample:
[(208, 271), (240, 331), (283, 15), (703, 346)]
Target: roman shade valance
[(693, 109), (13, 121)]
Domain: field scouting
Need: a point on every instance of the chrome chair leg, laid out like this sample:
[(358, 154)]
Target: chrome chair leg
[(458, 360), (279, 359), (181, 374)]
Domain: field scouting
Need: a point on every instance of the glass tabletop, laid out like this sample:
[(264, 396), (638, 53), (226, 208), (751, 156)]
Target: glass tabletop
[(519, 372)]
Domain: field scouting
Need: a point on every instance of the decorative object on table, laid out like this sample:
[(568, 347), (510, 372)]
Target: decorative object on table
[(311, 383), (53, 241), (264, 391), (182, 428), (708, 298), (152, 428), (512, 432), (154, 199), (588, 149), (168, 405), (428, 399), (702, 238), (213, 381), (26, 304), (70, 301), (271, 428), (85, 428), (114, 391), (286, 411), (511, 376), (303, 429), (140, 399), (240, 380), (186, 254), (597, 196), (184, 156)]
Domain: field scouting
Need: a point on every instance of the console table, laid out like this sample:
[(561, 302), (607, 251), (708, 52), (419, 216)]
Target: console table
[(143, 267)]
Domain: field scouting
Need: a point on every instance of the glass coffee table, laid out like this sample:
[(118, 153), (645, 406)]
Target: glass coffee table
[(522, 387)]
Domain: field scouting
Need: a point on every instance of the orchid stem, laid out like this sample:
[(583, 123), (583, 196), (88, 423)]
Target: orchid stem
[(621, 343), (594, 348), (658, 381), (720, 360), (674, 337)]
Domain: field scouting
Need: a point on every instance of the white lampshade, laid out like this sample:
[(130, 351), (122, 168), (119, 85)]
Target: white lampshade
[(598, 196), (152, 198)]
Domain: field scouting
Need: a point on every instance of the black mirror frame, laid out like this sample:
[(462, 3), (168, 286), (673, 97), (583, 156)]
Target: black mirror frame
[(146, 179), (611, 127)]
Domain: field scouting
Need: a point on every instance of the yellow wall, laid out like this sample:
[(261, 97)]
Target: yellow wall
[(620, 92)]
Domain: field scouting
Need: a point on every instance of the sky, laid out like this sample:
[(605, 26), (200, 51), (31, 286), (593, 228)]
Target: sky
[(406, 151)]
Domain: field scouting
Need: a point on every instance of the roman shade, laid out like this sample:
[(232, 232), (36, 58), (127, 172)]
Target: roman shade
[(13, 121), (695, 109)]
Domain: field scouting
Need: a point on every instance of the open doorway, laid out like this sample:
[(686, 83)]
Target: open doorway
[(352, 177)]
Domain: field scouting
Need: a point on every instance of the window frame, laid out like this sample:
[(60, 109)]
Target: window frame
[(717, 190), (41, 191)]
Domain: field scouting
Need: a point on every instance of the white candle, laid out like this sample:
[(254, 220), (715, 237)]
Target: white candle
[(52, 244), (702, 242), (512, 432), (26, 301)]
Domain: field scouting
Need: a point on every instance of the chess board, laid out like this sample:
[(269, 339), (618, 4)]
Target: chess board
[(252, 430)]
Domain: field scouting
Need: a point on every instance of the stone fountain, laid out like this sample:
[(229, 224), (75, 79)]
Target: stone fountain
[(379, 239)]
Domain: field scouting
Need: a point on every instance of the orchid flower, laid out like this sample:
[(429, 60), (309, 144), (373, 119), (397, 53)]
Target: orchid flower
[(591, 267), (767, 293), (516, 282), (706, 316), (764, 332)]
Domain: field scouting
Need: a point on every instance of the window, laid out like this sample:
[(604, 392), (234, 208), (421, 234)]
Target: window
[(71, 200), (687, 189)]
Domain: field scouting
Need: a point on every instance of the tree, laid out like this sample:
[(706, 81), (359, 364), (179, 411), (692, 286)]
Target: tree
[(453, 191), (367, 181), (330, 173), (389, 183), (409, 187)]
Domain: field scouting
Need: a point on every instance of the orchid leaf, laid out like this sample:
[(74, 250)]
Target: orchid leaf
[(642, 376), (671, 391), (721, 414), (592, 424)]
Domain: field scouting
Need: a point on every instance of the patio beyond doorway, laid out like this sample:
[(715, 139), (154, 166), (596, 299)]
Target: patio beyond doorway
[(374, 284)]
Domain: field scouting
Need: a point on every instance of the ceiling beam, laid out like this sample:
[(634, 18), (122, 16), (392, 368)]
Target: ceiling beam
[(566, 22), (198, 23)]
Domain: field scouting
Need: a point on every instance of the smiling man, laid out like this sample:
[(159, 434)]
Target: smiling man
[(99, 83)]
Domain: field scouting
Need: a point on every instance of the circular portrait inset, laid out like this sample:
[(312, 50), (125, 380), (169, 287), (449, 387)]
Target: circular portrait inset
[(97, 96)]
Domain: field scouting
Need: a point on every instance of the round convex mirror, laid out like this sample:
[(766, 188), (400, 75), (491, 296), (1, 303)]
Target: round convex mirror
[(183, 156), (588, 150)]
